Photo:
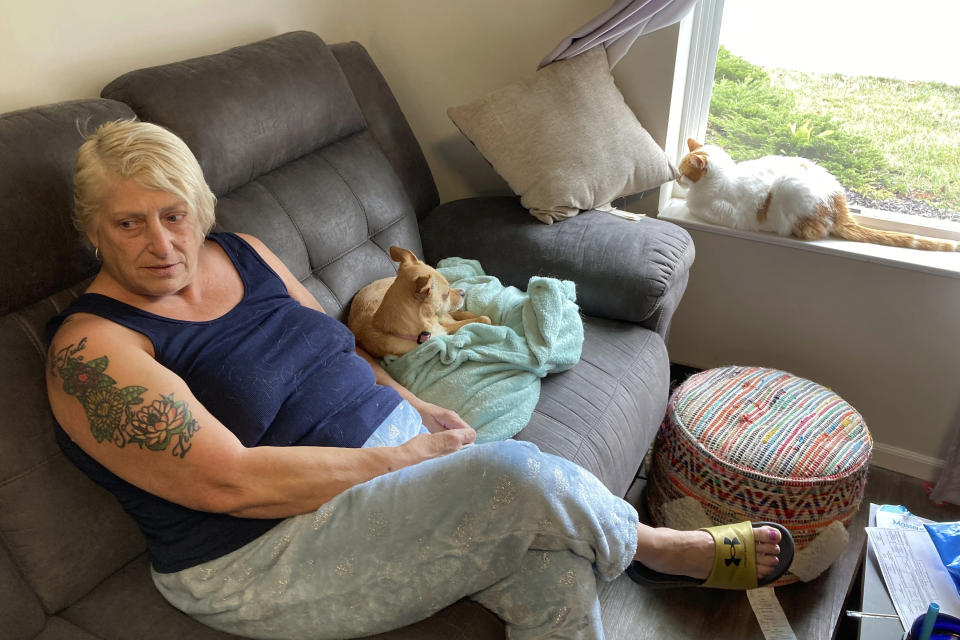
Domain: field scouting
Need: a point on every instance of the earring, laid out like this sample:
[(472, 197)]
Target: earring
[(96, 254)]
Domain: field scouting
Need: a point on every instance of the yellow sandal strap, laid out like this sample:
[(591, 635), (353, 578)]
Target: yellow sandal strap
[(735, 557)]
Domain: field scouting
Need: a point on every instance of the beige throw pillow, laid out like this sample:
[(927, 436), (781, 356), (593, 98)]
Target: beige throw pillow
[(565, 140)]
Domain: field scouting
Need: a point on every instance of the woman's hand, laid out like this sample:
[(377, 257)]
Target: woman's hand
[(437, 419), (427, 446)]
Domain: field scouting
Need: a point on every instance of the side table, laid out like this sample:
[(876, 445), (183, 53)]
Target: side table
[(875, 599)]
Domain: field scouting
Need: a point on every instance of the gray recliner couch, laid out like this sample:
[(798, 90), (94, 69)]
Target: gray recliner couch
[(305, 147)]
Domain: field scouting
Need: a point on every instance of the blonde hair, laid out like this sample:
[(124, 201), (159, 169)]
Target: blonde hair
[(149, 154)]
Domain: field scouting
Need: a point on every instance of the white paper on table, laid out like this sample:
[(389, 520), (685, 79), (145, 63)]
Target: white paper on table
[(773, 622), (913, 573)]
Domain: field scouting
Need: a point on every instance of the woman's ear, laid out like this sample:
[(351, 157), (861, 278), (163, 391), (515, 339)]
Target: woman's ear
[(93, 239)]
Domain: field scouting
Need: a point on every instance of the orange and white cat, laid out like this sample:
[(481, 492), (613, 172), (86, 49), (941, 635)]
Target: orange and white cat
[(784, 195)]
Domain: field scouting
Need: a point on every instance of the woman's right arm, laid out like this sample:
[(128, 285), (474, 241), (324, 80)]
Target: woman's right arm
[(141, 421)]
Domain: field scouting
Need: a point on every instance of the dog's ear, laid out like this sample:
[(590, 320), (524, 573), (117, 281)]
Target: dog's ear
[(403, 256), (423, 285)]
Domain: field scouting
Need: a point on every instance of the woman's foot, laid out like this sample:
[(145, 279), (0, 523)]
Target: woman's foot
[(691, 553)]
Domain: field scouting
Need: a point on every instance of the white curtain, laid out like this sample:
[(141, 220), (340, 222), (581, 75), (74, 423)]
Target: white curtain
[(617, 28)]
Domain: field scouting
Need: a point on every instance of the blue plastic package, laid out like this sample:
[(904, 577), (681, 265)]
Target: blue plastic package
[(894, 508), (946, 537)]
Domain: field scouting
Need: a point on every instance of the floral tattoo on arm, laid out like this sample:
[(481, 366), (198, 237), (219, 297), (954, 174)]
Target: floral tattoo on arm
[(119, 415)]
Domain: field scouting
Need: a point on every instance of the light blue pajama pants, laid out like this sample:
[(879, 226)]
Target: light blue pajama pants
[(524, 533)]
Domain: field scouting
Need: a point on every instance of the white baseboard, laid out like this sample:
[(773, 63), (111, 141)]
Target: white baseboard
[(906, 462)]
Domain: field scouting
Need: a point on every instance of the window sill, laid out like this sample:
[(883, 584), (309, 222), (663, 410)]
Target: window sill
[(941, 263)]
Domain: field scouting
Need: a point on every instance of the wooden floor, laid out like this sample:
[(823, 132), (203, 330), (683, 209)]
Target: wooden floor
[(813, 609), (890, 487)]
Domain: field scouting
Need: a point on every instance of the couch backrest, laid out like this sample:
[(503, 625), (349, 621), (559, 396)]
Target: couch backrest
[(60, 534), (292, 157)]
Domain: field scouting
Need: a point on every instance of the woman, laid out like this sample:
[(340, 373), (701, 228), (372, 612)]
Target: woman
[(287, 486)]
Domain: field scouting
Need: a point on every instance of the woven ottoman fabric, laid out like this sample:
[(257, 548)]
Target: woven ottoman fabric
[(750, 443)]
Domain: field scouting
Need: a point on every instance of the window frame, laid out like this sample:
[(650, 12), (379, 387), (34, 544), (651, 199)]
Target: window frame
[(701, 63), (702, 29)]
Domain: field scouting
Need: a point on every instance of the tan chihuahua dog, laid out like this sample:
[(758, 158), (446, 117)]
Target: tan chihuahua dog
[(395, 315)]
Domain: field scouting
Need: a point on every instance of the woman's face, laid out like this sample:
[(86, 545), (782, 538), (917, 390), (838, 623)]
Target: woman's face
[(148, 239)]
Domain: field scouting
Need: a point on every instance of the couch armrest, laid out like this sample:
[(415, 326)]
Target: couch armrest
[(625, 270)]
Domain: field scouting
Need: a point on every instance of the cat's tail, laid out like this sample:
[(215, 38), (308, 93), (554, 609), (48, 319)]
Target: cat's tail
[(846, 228)]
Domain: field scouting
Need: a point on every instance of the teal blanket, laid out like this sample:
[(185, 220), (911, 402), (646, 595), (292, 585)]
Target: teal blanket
[(490, 374)]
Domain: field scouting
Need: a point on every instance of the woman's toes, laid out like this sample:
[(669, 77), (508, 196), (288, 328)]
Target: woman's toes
[(767, 560), (766, 564), (767, 534), (767, 541)]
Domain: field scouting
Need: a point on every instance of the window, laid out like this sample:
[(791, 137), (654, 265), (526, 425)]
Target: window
[(894, 142)]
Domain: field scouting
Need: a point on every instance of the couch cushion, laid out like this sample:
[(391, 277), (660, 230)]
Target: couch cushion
[(604, 412), (248, 110), (40, 252), (21, 616), (127, 605), (388, 125), (331, 216), (60, 629), (624, 269), (64, 533)]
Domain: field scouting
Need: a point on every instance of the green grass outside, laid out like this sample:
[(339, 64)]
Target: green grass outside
[(882, 138)]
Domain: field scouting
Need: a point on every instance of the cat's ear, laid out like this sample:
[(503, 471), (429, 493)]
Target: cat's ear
[(699, 161), (692, 144)]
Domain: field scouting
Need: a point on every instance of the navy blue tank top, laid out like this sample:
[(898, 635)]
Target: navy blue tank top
[(271, 370)]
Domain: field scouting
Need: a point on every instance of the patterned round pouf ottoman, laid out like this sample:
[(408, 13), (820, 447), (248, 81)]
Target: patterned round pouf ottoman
[(749, 443)]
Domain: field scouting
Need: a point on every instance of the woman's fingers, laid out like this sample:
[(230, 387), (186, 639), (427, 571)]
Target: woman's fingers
[(459, 436), (452, 420), (433, 445), (436, 418)]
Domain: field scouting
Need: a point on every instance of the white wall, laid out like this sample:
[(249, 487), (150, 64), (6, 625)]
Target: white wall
[(53, 50), (440, 53), (434, 53)]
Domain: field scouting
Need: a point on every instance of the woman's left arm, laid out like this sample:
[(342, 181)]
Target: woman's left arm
[(435, 418)]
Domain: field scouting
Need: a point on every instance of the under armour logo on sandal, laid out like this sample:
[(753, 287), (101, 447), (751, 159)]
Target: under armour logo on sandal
[(733, 559)]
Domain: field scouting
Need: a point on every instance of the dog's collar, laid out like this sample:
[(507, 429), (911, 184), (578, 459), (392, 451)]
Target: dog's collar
[(419, 339)]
